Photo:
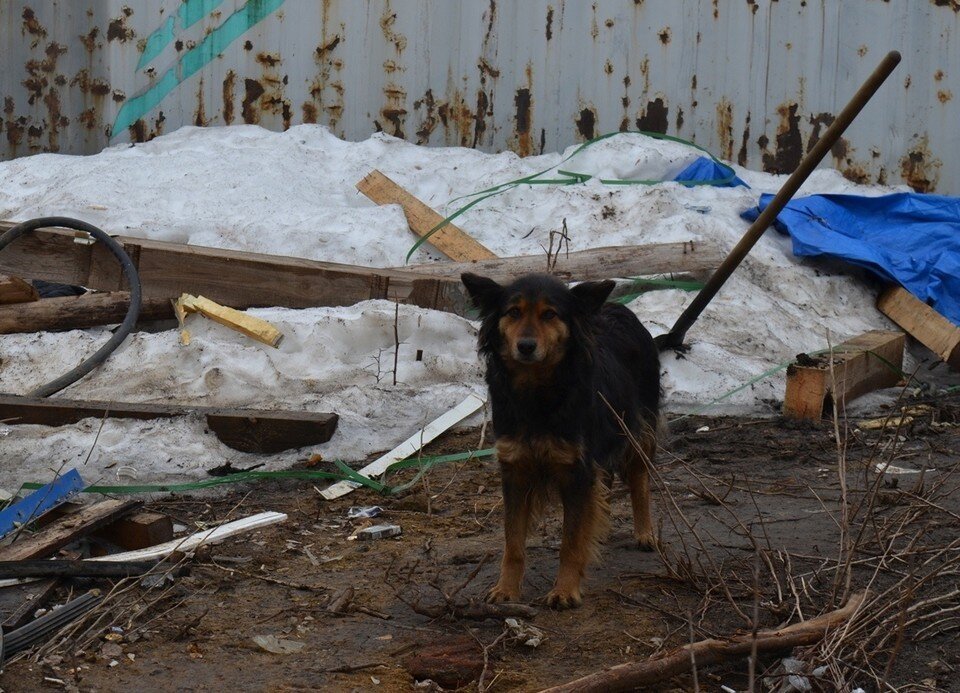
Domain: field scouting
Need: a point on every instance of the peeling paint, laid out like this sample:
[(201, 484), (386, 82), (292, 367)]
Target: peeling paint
[(789, 149), (920, 168), (725, 129), (586, 123), (654, 117), (118, 29), (229, 86)]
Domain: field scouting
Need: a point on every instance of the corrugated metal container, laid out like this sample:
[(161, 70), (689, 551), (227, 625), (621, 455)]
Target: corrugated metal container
[(755, 81)]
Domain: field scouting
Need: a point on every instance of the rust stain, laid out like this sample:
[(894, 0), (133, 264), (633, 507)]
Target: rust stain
[(907, 81), (753, 6), (88, 118), (140, 133), (789, 149), (229, 87), (609, 23), (487, 69), (679, 118), (253, 90), (645, 73), (725, 128), (327, 47), (387, 21), (247, 45), (268, 59), (15, 127), (89, 40), (31, 25), (587, 122), (118, 30), (862, 50), (654, 117), (742, 154), (524, 114), (664, 35), (818, 122), (952, 4), (608, 67), (491, 15), (549, 22), (938, 75), (716, 9), (944, 95), (430, 119), (395, 110), (309, 111), (857, 173), (89, 85), (200, 115), (920, 168)]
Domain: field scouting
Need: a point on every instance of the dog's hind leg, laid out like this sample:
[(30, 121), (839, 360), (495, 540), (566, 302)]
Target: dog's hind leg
[(586, 519), (518, 499), (637, 465)]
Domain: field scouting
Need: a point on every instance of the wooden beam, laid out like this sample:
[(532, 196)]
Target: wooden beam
[(450, 240), (595, 263), (15, 290), (77, 312), (248, 430), (923, 323), (231, 277), (860, 365), (66, 530)]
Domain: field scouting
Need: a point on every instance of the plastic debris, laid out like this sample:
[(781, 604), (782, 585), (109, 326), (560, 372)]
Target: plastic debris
[(379, 532), (530, 636), (355, 512), (271, 643)]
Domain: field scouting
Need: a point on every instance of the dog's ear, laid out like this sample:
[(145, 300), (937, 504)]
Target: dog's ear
[(590, 296), (485, 292)]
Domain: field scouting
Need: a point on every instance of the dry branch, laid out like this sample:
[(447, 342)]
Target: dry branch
[(628, 676)]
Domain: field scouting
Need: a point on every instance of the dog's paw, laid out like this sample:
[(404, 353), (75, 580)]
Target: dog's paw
[(646, 542), (563, 599), (500, 594)]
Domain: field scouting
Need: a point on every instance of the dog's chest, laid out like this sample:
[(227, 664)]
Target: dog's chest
[(538, 451)]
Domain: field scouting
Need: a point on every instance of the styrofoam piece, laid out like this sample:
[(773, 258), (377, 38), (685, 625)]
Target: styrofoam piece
[(410, 446)]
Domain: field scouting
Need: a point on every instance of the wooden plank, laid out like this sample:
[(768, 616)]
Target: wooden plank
[(248, 430), (15, 290), (138, 530), (66, 530), (450, 240), (865, 363), (254, 327), (923, 323), (595, 263), (408, 447), (231, 277), (78, 312)]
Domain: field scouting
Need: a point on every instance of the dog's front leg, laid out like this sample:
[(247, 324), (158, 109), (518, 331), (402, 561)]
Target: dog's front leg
[(516, 521), (585, 517)]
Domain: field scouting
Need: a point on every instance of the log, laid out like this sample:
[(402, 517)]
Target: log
[(15, 290), (66, 530), (923, 323), (77, 312), (450, 240), (656, 670), (860, 365), (231, 277), (595, 263), (248, 430), (138, 530)]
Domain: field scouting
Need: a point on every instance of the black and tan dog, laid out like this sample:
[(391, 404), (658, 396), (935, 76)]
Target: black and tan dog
[(558, 360)]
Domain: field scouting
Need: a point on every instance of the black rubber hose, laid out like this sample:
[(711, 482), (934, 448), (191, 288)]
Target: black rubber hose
[(129, 271)]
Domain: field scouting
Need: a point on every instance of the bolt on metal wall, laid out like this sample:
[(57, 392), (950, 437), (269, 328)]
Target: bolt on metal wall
[(755, 81)]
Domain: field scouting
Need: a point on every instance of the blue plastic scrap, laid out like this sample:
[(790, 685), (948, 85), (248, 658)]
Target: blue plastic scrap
[(40, 501), (706, 170), (908, 238)]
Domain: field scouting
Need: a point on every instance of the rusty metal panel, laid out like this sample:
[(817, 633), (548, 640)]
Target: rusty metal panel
[(755, 81)]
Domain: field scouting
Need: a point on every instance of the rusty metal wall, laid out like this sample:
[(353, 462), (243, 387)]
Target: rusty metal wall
[(755, 81)]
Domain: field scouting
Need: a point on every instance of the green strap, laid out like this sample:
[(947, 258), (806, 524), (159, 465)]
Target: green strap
[(573, 178)]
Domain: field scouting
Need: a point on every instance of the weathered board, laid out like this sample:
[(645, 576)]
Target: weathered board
[(923, 323), (248, 430)]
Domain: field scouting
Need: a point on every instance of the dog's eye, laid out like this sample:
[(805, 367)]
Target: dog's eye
[(513, 313), (548, 314)]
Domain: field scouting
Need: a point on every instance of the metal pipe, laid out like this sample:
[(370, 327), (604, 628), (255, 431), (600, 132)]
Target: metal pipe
[(674, 338)]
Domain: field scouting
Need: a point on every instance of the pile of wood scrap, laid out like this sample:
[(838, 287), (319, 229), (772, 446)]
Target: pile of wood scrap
[(48, 542)]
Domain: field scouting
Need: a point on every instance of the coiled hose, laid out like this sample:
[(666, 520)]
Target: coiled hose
[(129, 271)]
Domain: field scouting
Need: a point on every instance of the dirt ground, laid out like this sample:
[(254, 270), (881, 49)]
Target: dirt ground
[(750, 521)]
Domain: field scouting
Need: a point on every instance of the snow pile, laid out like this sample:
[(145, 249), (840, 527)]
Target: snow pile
[(293, 193)]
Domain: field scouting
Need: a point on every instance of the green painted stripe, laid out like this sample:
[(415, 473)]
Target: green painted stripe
[(156, 42), (194, 60)]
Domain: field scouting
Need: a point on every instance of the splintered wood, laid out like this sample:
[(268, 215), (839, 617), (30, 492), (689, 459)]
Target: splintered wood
[(16, 290), (450, 240), (923, 323), (255, 328), (860, 365)]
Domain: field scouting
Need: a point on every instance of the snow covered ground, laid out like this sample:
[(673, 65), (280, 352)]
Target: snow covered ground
[(293, 193)]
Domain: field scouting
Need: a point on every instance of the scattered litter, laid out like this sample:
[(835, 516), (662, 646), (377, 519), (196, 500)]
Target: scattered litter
[(703, 429), (367, 511), (271, 643), (255, 328), (40, 501), (727, 689), (888, 468), (379, 532), (891, 423), (530, 636)]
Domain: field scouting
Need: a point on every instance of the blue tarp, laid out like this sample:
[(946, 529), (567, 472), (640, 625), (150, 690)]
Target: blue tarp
[(706, 170), (908, 238)]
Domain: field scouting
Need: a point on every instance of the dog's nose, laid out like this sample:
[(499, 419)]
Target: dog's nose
[(526, 347)]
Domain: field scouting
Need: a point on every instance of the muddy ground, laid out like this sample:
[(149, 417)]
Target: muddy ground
[(760, 530)]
